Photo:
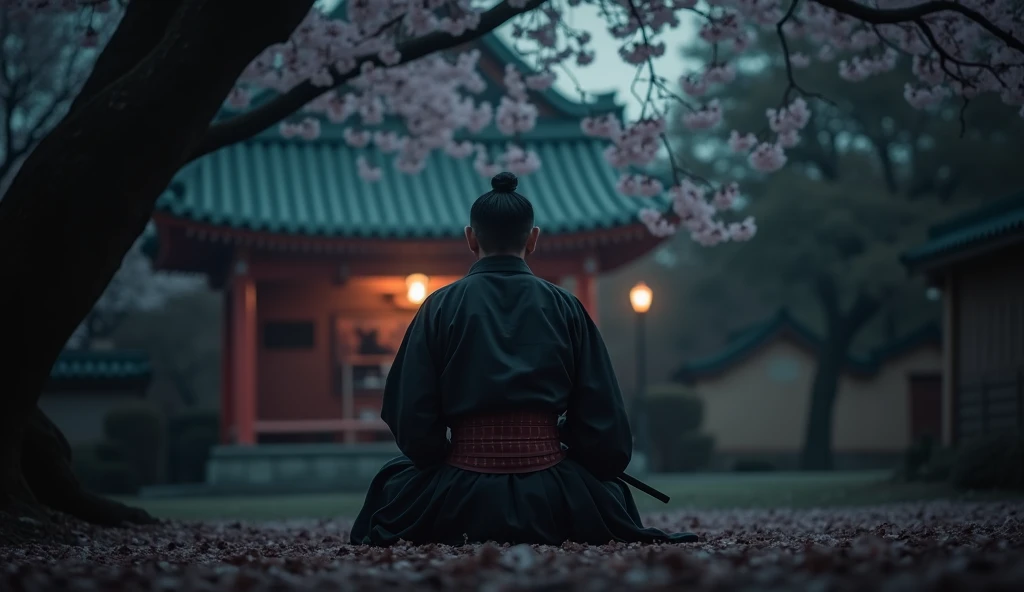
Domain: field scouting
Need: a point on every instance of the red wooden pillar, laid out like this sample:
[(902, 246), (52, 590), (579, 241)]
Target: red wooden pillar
[(243, 299), (227, 360)]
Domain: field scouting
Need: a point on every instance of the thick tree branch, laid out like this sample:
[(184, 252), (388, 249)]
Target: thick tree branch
[(142, 27), (273, 111), (892, 16), (58, 250)]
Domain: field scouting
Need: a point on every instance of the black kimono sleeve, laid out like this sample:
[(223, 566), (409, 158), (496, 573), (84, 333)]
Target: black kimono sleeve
[(412, 403), (596, 427)]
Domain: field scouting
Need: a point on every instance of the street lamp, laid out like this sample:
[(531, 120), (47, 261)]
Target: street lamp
[(640, 297), (416, 288)]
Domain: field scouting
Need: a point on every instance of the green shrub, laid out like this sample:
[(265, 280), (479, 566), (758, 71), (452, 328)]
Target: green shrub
[(137, 432), (991, 461), (97, 474), (753, 466), (191, 436), (690, 452)]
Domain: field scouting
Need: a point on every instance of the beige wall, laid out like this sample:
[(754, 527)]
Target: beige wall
[(761, 404)]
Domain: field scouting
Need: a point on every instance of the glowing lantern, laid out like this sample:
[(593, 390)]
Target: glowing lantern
[(640, 297), (416, 288)]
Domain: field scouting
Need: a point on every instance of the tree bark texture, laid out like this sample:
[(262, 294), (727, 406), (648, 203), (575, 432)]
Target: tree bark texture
[(86, 193)]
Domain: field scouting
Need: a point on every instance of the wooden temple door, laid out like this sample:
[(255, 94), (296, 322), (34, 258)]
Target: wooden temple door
[(364, 351)]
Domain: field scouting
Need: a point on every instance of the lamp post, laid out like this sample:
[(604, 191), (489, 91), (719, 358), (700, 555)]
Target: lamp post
[(640, 297)]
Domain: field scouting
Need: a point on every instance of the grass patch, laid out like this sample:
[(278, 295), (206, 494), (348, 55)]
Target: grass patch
[(707, 491)]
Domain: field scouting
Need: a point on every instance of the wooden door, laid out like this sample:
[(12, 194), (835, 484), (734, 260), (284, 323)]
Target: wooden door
[(925, 398)]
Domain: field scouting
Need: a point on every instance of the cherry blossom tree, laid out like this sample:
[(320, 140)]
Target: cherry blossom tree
[(42, 65), (151, 102)]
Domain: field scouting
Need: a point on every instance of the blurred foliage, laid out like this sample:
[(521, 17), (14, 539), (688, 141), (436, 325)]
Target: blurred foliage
[(869, 177), (190, 437), (136, 433), (674, 416), (103, 474), (753, 466), (948, 152), (183, 340)]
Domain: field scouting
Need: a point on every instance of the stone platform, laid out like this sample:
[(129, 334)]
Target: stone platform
[(285, 468)]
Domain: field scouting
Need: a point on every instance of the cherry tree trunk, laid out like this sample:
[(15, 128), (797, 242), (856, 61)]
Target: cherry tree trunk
[(817, 447), (86, 193)]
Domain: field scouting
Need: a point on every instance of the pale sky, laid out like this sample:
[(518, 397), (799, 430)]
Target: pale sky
[(607, 72)]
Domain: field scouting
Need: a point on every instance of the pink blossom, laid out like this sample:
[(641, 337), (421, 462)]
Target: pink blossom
[(725, 197), (767, 158), (605, 126), (694, 85), (788, 139), (367, 172), (799, 60), (743, 231), (639, 186), (707, 117), (386, 142), (792, 117), (460, 149), (922, 98), (515, 116), (356, 138), (741, 144), (720, 74), (540, 81), (656, 223)]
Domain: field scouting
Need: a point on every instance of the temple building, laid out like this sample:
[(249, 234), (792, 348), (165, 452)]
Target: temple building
[(321, 272), (976, 262)]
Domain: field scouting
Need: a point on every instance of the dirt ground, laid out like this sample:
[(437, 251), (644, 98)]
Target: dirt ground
[(941, 546)]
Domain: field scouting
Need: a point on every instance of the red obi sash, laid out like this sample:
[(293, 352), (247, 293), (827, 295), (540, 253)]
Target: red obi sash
[(516, 442)]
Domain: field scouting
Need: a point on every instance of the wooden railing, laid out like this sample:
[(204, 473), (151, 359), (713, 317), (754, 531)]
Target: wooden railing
[(992, 403), (348, 428)]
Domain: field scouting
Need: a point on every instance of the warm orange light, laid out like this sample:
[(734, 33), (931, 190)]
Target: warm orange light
[(416, 285), (640, 297)]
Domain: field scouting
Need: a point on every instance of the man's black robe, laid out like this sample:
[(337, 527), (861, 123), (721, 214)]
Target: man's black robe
[(503, 339)]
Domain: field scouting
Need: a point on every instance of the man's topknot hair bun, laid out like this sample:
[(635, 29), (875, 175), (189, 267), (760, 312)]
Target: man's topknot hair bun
[(504, 182)]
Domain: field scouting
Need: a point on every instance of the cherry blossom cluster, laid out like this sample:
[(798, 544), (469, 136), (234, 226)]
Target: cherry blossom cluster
[(431, 105)]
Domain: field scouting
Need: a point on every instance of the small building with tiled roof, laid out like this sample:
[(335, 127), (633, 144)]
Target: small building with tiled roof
[(317, 264), (977, 262), (756, 392), (84, 386)]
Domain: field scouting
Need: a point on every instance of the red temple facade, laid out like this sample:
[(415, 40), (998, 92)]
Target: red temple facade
[(322, 272)]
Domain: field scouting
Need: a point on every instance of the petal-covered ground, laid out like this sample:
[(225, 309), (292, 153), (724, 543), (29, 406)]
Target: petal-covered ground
[(940, 546)]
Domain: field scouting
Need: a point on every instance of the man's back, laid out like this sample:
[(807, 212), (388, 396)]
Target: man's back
[(495, 358), (504, 339)]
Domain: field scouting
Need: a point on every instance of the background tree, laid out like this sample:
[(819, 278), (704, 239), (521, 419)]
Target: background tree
[(867, 179), (150, 102), (43, 63), (184, 352), (135, 288)]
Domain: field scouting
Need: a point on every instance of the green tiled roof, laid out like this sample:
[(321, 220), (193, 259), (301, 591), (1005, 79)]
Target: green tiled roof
[(299, 187), (116, 369), (997, 220), (749, 341)]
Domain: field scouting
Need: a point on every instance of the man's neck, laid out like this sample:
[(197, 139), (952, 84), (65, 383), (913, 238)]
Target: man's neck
[(483, 255)]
